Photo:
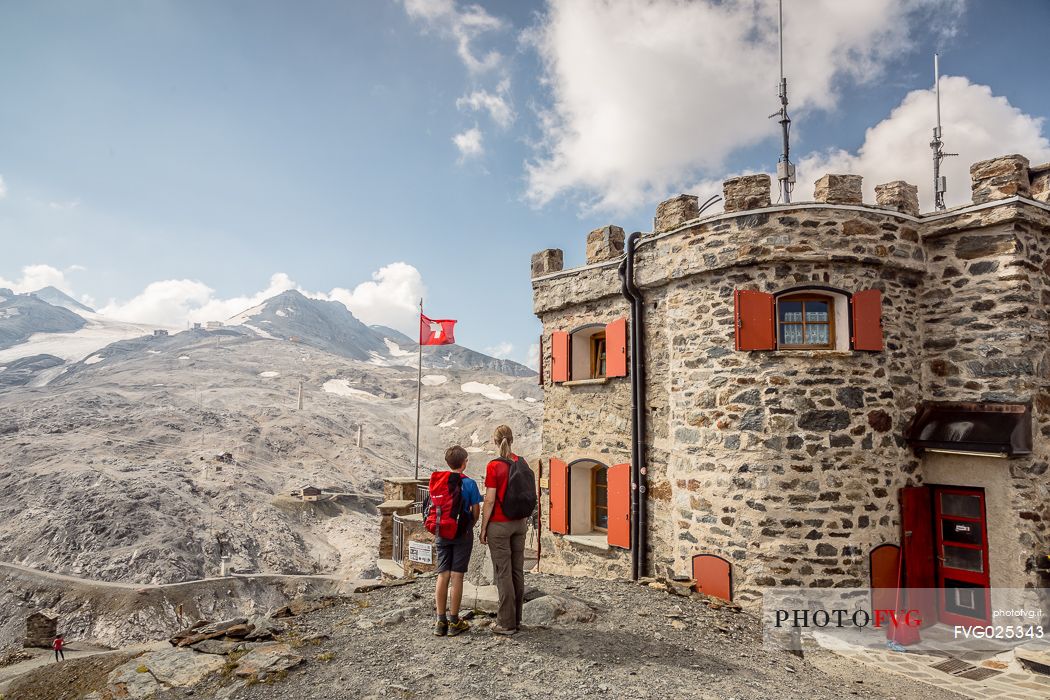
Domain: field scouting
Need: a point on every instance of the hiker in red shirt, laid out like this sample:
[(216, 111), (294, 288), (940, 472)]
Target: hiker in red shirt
[(503, 527), (57, 646)]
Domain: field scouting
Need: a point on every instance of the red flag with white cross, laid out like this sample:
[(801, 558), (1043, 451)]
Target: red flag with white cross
[(436, 331)]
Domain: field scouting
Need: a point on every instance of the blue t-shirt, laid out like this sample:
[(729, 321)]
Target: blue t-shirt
[(470, 493)]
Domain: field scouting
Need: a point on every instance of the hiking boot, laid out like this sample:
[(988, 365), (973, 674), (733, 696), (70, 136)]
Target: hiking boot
[(503, 631), (457, 627), (440, 628)]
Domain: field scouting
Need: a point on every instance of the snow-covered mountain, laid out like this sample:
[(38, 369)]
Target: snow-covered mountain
[(56, 297)]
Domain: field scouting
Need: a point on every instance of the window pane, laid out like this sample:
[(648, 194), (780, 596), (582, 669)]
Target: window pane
[(817, 311), (601, 518), (791, 334), (818, 335), (958, 531), (961, 504), (965, 559), (790, 311)]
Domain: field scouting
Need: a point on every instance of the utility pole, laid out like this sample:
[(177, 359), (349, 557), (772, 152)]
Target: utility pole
[(419, 387), (940, 183), (299, 403), (785, 168)]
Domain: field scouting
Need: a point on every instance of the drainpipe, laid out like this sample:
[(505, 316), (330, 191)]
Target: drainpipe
[(639, 472)]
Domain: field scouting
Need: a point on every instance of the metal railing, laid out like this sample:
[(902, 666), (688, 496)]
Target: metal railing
[(398, 540), (422, 496)]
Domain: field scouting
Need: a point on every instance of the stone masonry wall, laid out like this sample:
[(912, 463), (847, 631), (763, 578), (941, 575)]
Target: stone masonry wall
[(788, 463)]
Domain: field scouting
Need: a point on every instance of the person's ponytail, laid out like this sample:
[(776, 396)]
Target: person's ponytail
[(504, 438)]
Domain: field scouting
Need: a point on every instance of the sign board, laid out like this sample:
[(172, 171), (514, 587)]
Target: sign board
[(545, 483), (421, 552)]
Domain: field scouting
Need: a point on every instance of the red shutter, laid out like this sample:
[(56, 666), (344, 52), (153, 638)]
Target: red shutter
[(559, 493), (755, 329), (885, 576), (616, 348), (918, 550), (713, 575), (867, 320), (559, 356), (539, 368), (619, 496)]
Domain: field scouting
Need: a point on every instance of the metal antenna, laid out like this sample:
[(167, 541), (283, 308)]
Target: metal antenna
[(940, 183), (785, 169)]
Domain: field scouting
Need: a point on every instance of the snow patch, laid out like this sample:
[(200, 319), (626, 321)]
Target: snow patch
[(474, 450), (99, 332), (341, 387), (94, 360), (395, 349), (184, 357), (154, 352), (434, 379), (269, 375), (446, 424), (259, 332), (280, 312), (243, 316), (530, 399), (489, 391)]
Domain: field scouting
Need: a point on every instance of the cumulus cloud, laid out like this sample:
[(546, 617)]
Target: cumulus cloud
[(649, 95), (466, 25), (469, 143), (532, 360), (495, 103), (501, 351), (35, 277), (390, 298), (976, 125)]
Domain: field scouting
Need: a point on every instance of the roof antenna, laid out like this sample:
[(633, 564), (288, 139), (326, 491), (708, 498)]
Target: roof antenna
[(785, 169), (940, 183)]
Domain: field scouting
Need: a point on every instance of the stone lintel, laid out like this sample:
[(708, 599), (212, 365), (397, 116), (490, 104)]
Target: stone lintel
[(746, 192), (839, 189), (999, 178)]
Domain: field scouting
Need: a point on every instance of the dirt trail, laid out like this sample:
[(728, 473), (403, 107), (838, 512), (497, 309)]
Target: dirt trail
[(46, 657)]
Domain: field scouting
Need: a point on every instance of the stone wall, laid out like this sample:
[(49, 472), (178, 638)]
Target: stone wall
[(41, 629), (788, 463)]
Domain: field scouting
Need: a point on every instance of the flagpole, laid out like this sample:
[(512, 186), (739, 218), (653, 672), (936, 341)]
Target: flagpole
[(419, 386)]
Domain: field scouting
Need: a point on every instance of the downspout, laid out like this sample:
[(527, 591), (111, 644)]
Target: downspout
[(639, 472)]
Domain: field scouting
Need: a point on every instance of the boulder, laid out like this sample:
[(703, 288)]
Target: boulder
[(396, 617), (267, 659), (264, 628), (154, 672), (556, 608)]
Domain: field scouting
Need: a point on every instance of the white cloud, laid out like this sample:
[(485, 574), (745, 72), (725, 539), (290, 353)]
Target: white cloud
[(976, 124), (532, 360), (465, 25), (389, 299), (469, 143), (495, 103), (500, 351), (649, 95), (68, 204), (35, 277)]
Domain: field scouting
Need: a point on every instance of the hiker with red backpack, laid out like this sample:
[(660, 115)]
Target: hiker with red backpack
[(450, 514), (510, 500)]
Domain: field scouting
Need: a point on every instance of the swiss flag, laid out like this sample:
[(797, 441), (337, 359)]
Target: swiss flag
[(436, 332)]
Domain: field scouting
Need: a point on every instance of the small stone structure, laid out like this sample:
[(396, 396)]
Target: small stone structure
[(785, 464), (604, 243), (41, 629)]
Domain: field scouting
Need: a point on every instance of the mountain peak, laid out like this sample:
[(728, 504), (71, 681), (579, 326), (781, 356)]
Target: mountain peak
[(56, 297)]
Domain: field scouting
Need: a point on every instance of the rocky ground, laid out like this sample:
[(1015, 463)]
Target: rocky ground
[(583, 638)]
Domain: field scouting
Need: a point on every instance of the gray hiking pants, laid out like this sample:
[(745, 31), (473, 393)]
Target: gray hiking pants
[(507, 546)]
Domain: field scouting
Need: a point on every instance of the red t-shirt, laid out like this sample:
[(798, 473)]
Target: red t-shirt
[(57, 643), (496, 474)]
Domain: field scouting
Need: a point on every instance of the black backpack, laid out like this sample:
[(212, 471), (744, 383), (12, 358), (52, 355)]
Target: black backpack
[(519, 498)]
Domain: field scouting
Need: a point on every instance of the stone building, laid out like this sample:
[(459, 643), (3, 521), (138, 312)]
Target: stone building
[(41, 629), (813, 373)]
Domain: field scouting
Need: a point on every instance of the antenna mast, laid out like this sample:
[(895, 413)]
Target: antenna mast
[(785, 169), (940, 183)]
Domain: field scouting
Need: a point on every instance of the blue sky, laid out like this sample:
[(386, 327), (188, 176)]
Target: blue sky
[(210, 145)]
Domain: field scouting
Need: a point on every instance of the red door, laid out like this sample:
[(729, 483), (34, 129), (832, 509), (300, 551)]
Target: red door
[(962, 556)]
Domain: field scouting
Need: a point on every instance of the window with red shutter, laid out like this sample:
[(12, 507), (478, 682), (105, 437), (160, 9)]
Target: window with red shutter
[(560, 356), (559, 496), (867, 320), (755, 325), (619, 504), (616, 348)]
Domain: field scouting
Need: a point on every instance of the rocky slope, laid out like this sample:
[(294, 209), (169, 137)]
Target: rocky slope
[(582, 639), (22, 315)]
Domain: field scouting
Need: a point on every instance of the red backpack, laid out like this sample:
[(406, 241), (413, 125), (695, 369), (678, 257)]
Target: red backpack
[(443, 511)]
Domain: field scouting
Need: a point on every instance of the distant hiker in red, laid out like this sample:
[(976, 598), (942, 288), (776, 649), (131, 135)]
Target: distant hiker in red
[(57, 645), (452, 511), (510, 499)]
